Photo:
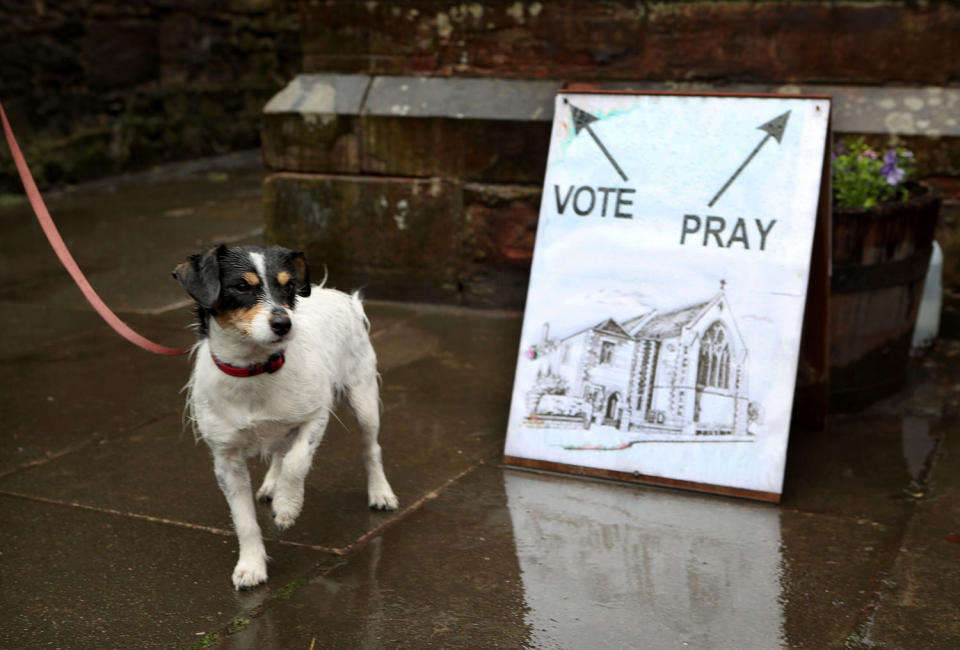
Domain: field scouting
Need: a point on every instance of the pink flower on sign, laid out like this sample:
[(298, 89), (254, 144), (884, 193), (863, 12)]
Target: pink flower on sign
[(532, 352)]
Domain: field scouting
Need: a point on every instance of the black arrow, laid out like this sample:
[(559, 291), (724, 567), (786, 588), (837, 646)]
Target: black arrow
[(582, 120), (774, 129)]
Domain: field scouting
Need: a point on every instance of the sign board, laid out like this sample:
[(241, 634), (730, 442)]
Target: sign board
[(670, 272)]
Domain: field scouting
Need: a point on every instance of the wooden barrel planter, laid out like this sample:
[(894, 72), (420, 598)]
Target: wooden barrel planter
[(880, 258)]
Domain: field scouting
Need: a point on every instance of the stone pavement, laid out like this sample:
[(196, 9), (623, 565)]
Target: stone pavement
[(113, 532)]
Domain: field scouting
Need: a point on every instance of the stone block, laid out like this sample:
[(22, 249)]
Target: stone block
[(471, 129), (313, 124), (459, 98), (472, 150), (409, 239), (307, 142), (394, 238), (499, 228)]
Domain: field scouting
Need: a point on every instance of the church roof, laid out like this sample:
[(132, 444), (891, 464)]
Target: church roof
[(611, 326), (651, 325), (632, 325), (671, 323)]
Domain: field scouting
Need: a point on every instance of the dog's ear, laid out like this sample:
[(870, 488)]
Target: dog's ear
[(301, 272), (200, 276)]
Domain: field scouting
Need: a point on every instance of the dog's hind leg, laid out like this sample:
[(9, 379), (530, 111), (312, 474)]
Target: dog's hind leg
[(288, 493), (230, 468), (363, 398)]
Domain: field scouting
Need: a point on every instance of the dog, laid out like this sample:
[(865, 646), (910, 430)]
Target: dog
[(272, 356)]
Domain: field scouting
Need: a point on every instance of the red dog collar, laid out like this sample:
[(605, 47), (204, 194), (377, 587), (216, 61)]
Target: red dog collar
[(270, 366)]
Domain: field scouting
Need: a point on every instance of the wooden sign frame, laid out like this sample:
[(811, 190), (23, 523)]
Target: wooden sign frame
[(594, 387)]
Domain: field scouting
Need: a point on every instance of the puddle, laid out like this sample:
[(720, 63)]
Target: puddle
[(605, 566), (918, 444)]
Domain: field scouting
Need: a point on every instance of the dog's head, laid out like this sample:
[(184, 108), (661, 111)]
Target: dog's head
[(250, 291)]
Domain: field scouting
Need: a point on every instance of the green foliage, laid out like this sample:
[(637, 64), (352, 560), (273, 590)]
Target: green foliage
[(288, 589), (862, 178)]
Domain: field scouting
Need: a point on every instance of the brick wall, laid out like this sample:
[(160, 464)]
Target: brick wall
[(700, 40)]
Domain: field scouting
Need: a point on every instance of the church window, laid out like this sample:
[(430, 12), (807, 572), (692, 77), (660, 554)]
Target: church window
[(606, 352), (713, 366)]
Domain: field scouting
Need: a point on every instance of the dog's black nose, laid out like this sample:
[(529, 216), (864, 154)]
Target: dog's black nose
[(279, 323)]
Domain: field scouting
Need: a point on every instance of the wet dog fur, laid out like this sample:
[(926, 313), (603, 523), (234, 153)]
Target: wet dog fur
[(254, 304)]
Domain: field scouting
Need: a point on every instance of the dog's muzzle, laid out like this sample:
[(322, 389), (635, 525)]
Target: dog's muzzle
[(279, 322)]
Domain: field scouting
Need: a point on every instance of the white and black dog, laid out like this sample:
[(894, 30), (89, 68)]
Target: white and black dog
[(272, 357)]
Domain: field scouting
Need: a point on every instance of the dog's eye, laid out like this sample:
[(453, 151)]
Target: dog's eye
[(242, 286)]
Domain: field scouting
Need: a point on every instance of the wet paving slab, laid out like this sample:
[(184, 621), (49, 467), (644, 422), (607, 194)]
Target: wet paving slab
[(448, 577), (856, 468), (920, 603), (74, 386), (113, 532), (75, 578), (141, 226)]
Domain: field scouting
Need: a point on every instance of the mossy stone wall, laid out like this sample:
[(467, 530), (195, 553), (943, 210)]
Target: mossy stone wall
[(96, 87)]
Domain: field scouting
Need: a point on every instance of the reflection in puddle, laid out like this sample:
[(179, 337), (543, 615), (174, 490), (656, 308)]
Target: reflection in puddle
[(610, 566), (917, 443)]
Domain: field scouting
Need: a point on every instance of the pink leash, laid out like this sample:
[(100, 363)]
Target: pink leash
[(60, 248)]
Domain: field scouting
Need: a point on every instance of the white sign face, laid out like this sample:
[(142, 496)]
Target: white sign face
[(669, 277)]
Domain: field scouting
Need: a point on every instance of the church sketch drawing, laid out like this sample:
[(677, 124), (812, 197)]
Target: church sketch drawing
[(682, 373)]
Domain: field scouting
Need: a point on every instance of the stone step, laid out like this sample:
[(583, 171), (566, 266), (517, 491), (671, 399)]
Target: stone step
[(471, 129), (498, 130), (400, 238)]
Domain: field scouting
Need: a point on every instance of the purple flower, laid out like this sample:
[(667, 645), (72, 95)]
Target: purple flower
[(839, 149), (891, 173), (890, 157)]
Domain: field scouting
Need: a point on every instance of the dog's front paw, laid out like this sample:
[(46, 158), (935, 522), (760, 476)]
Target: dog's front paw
[(284, 514), (284, 520), (249, 573), (382, 498)]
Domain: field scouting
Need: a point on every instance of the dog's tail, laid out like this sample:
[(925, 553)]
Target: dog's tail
[(356, 303), (326, 275)]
